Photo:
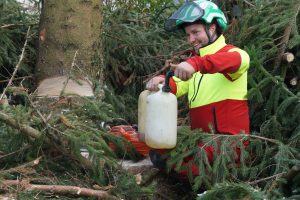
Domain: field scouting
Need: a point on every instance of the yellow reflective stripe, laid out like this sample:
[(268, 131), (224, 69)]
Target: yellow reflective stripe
[(245, 62), (182, 86), (214, 47), (216, 87)]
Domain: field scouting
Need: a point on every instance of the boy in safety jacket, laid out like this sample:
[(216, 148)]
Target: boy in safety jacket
[(215, 80)]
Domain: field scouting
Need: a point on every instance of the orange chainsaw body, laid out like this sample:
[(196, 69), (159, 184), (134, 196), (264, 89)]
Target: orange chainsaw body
[(129, 133)]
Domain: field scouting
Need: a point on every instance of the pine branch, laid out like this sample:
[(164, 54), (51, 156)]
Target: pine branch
[(14, 79), (264, 138), (266, 179), (18, 65), (244, 136), (284, 42), (12, 153), (285, 39), (11, 25), (57, 189), (23, 166), (228, 190), (25, 129), (249, 3), (7, 25), (275, 80), (35, 134), (69, 74)]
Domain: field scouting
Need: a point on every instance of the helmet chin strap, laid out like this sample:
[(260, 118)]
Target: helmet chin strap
[(209, 36)]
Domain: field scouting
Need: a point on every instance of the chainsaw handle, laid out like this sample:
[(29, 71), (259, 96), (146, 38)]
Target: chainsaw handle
[(166, 87)]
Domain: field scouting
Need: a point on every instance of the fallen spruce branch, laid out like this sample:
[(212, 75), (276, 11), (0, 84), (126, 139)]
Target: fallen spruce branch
[(15, 152), (56, 189), (266, 178), (48, 139), (36, 134), (22, 167), (25, 129), (8, 25)]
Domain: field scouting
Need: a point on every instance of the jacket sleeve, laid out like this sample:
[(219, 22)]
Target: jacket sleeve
[(178, 87), (232, 63)]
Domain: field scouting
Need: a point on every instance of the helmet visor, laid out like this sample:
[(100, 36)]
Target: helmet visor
[(188, 12)]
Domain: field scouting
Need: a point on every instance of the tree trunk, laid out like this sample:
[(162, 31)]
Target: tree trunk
[(69, 47)]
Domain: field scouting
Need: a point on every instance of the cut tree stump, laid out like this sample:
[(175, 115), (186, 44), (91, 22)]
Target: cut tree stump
[(143, 170), (136, 167), (53, 87)]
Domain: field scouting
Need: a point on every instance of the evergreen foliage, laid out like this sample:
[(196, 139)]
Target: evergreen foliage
[(135, 43), (270, 91), (274, 101), (136, 46), (262, 158), (77, 127), (229, 191), (14, 22)]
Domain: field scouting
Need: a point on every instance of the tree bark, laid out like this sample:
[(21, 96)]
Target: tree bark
[(283, 45), (285, 39), (67, 27), (27, 130)]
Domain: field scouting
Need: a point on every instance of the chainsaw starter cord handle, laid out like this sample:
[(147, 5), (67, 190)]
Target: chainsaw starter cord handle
[(166, 87)]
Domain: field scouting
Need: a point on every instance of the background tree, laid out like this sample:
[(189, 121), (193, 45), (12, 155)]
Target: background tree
[(15, 21), (69, 44)]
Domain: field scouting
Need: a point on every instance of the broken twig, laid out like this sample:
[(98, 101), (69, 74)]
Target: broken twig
[(69, 75), (22, 167), (57, 189)]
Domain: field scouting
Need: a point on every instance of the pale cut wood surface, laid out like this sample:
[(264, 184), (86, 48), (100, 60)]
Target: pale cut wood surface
[(52, 87)]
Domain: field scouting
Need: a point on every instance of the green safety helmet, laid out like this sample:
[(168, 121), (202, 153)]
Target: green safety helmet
[(192, 11)]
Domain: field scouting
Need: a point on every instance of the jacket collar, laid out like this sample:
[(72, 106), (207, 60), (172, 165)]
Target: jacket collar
[(214, 47)]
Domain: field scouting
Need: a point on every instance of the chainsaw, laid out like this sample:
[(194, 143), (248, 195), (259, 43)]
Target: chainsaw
[(131, 135)]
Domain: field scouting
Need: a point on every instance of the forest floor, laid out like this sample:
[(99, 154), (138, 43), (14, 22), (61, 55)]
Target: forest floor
[(168, 186)]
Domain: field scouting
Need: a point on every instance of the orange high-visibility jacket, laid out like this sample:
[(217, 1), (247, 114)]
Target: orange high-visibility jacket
[(217, 92)]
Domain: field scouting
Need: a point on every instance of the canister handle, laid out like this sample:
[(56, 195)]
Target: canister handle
[(166, 87)]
